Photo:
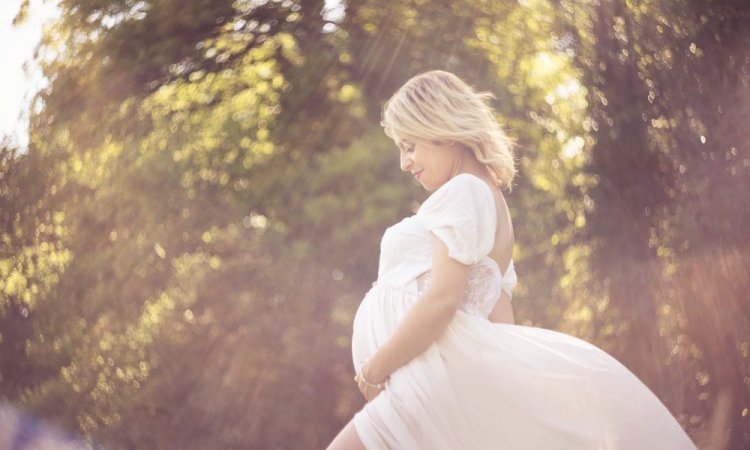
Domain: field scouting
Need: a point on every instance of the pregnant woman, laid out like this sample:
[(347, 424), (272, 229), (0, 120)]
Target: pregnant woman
[(438, 355)]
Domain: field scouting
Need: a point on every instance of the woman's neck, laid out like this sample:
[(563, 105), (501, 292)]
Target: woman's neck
[(468, 163)]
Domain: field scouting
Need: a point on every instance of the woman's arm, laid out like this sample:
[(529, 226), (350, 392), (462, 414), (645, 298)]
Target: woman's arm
[(503, 310), (426, 320)]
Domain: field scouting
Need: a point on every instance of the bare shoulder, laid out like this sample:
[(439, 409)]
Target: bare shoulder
[(502, 250)]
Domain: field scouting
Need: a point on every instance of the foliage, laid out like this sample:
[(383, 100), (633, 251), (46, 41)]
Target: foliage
[(187, 237)]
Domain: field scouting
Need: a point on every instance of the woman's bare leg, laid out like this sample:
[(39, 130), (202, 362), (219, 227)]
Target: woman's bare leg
[(347, 439)]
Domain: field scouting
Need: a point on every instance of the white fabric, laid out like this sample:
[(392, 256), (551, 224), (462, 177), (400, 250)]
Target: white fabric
[(484, 385), (462, 214)]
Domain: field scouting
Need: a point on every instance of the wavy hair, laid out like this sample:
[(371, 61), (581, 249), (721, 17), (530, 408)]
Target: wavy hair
[(439, 106)]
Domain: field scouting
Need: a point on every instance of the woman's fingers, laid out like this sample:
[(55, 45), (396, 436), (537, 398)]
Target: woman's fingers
[(367, 391), (361, 385), (373, 394)]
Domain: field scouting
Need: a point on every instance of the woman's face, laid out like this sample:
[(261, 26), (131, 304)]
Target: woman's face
[(431, 163)]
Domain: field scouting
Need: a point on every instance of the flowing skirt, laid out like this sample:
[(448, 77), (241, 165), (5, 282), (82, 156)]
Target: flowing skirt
[(484, 385)]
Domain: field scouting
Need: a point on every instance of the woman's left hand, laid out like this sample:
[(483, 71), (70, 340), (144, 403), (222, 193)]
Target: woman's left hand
[(368, 390)]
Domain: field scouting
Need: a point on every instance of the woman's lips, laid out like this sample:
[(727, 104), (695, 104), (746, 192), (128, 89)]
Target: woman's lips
[(417, 174)]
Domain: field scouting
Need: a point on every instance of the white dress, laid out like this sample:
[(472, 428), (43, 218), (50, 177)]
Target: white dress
[(484, 385)]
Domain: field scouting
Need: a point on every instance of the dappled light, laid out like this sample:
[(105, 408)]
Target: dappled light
[(198, 214)]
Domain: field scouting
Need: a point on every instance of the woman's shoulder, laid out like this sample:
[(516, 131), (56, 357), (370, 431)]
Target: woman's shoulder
[(461, 213), (463, 194), (461, 187)]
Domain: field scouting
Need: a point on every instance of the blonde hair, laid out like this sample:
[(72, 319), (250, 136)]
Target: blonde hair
[(439, 106)]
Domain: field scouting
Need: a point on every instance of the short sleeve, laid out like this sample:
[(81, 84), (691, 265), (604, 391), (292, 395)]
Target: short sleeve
[(461, 213)]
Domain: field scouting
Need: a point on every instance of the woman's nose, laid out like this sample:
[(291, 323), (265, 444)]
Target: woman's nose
[(405, 162)]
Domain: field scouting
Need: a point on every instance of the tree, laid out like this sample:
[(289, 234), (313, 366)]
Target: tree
[(215, 185)]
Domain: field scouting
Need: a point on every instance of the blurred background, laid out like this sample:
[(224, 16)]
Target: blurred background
[(194, 214)]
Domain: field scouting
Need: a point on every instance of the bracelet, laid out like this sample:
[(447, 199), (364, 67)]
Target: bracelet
[(379, 386)]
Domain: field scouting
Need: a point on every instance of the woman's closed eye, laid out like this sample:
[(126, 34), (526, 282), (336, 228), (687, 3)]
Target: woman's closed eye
[(408, 148)]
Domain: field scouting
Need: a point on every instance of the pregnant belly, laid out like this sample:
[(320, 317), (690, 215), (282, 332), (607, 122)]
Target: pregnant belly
[(376, 318)]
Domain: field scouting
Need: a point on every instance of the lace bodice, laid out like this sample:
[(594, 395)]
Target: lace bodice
[(483, 287), (462, 214)]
